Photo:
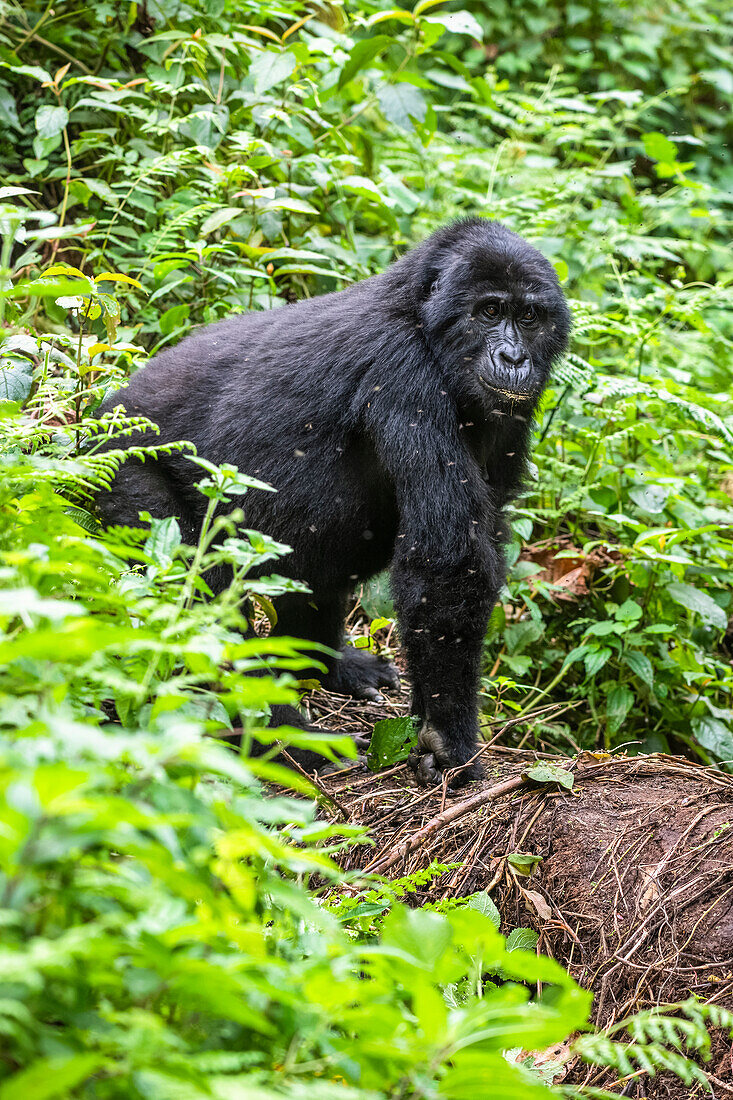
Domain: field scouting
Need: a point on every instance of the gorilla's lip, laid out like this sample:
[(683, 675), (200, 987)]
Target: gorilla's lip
[(521, 395)]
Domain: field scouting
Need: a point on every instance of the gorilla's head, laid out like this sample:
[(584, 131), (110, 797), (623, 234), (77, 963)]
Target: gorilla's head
[(493, 312)]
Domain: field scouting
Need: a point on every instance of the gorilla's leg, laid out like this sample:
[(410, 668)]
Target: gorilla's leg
[(145, 487)]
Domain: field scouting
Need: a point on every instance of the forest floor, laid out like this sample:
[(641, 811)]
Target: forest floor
[(627, 876)]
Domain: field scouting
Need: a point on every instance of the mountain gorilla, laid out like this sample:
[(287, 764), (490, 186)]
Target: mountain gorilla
[(393, 418)]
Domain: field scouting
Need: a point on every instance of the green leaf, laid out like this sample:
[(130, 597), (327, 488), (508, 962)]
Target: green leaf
[(219, 218), (458, 22), (618, 704), (524, 863), (550, 773), (640, 664), (392, 741), (164, 539), (699, 602), (715, 736), (628, 612), (519, 635), (271, 68), (523, 939), (376, 598), (50, 121), (483, 903), (596, 659), (360, 185), (658, 147), (16, 378), (48, 1078), (401, 103), (361, 54), (174, 317)]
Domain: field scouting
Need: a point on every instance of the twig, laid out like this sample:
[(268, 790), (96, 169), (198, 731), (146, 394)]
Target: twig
[(379, 866), (295, 766)]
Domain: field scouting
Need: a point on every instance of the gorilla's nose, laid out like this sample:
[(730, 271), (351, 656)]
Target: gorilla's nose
[(513, 358)]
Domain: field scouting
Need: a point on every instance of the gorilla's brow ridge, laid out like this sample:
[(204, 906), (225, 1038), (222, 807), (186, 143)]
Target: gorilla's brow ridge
[(513, 295)]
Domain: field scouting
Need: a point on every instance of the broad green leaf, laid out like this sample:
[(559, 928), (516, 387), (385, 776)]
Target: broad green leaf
[(16, 378), (596, 659), (699, 602), (715, 736), (483, 903), (164, 539), (524, 863), (360, 185), (48, 1078), (550, 773), (618, 704), (640, 664), (523, 939), (50, 121), (219, 218), (658, 147), (401, 103), (271, 68), (392, 741), (458, 22), (361, 54)]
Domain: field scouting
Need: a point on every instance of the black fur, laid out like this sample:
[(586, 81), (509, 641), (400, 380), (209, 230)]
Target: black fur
[(393, 418)]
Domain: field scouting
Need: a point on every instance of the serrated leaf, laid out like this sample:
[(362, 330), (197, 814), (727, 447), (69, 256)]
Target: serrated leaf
[(640, 664), (522, 939), (596, 659), (482, 902), (618, 704)]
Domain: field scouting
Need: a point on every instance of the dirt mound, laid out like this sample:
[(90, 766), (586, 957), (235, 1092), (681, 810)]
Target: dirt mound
[(627, 876)]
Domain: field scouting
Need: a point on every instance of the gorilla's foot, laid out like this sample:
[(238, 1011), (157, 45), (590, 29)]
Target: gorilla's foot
[(361, 674), (436, 755)]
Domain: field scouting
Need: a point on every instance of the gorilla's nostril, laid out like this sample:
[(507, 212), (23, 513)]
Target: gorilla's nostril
[(515, 360)]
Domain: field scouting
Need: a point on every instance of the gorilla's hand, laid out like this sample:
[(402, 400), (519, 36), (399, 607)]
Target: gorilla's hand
[(361, 674), (437, 754)]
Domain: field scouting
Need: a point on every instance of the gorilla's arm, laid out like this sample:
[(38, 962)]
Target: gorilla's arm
[(446, 574)]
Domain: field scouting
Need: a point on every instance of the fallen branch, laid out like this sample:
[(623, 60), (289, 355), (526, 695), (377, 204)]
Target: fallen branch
[(379, 866)]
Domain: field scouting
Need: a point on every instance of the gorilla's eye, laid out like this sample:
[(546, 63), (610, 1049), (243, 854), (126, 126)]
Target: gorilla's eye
[(528, 315), (491, 309)]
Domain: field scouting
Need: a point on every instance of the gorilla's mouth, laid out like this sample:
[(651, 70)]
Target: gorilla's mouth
[(505, 391)]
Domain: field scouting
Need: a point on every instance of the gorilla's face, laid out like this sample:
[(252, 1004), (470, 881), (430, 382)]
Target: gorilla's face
[(497, 318), (510, 329)]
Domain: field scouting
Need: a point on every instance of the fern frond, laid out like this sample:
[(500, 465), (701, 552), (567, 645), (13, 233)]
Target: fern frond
[(626, 1058), (619, 387)]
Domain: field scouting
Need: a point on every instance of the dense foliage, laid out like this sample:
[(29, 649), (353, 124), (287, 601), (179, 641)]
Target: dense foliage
[(167, 930)]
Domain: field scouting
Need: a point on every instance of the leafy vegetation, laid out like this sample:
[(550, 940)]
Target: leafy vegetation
[(167, 930)]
